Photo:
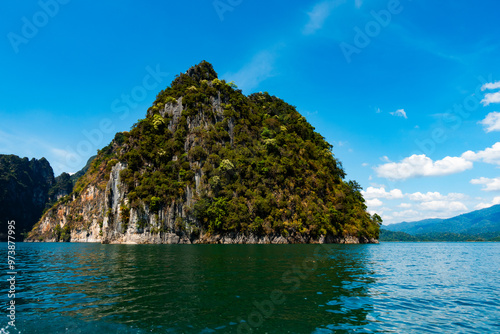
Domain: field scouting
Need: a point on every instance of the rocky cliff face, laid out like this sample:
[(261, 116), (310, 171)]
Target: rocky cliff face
[(210, 165), (27, 188), (24, 188)]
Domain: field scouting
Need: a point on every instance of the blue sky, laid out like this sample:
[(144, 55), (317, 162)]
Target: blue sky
[(408, 92)]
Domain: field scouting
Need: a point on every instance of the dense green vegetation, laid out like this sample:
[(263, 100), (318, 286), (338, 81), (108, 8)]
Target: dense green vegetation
[(80, 173), (386, 235), (63, 185), (260, 165), (24, 192)]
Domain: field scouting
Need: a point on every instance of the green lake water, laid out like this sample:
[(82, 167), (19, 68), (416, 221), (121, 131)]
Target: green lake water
[(385, 288)]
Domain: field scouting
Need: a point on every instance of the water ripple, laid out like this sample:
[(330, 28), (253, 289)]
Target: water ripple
[(386, 288)]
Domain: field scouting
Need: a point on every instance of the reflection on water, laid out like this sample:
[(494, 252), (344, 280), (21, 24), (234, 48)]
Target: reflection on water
[(391, 287)]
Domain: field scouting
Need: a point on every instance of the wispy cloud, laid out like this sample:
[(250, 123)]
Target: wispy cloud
[(31, 146), (434, 196), (434, 45), (399, 113), (491, 85), (491, 122), (443, 206), (489, 184), (340, 143), (491, 98), (19, 143), (495, 201), (421, 205), (318, 15), (5, 142), (61, 154), (260, 68)]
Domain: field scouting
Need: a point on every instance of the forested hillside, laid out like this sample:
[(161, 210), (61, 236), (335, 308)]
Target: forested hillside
[(207, 160)]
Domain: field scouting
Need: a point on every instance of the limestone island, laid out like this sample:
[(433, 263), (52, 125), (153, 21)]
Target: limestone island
[(210, 165)]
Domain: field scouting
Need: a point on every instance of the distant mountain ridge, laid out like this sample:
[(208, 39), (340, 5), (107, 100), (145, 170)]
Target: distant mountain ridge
[(484, 222), (27, 188), (24, 191)]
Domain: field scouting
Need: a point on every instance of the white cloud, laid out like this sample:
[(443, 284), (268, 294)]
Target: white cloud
[(491, 122), (431, 203), (318, 15), (374, 193), (377, 185), (424, 206), (342, 143), (421, 165), (489, 184), (399, 113), (382, 213), (425, 210), (491, 98), (373, 203), (433, 196), (490, 155), (491, 85), (495, 201), (252, 74), (385, 218), (429, 196), (443, 206), (407, 214)]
